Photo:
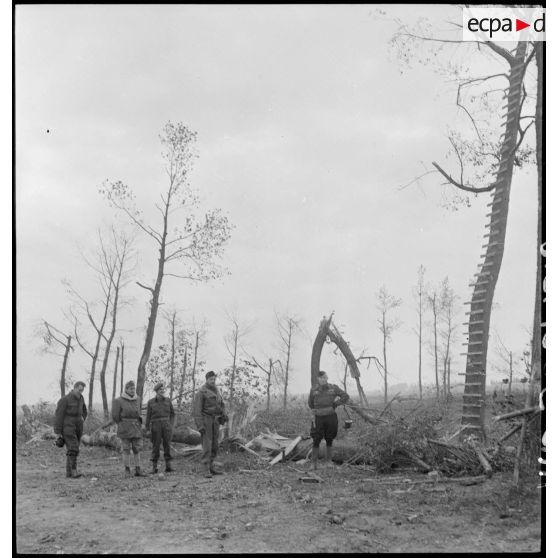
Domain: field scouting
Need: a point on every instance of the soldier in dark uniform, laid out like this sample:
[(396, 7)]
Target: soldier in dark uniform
[(69, 416), (209, 413), (323, 400), (126, 414), (160, 416)]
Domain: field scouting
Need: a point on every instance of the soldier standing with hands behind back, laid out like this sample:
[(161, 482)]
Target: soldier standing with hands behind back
[(160, 416), (209, 413), (69, 416)]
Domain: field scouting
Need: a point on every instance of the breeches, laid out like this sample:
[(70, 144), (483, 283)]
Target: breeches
[(72, 435), (160, 431), (210, 439), (326, 427)]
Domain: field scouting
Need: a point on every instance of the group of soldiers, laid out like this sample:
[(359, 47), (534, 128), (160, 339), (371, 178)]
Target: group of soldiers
[(208, 413)]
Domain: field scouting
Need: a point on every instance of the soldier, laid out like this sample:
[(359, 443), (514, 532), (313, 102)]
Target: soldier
[(160, 416), (209, 413), (69, 416), (126, 414), (323, 400)]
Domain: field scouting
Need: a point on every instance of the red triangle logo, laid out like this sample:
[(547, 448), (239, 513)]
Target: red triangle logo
[(519, 25)]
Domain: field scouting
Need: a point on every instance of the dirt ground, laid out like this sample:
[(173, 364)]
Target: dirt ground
[(353, 510)]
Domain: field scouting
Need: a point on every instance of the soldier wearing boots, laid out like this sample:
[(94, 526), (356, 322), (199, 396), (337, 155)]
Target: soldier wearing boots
[(323, 400), (160, 417), (69, 416), (126, 414), (209, 413)]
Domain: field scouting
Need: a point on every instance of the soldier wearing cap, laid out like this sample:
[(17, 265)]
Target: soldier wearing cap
[(209, 413), (160, 417), (323, 400), (126, 414), (69, 416)]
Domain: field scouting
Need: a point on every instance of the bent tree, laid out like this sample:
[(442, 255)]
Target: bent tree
[(188, 242)]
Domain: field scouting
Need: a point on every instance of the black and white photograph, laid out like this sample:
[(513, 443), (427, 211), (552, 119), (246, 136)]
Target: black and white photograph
[(279, 278)]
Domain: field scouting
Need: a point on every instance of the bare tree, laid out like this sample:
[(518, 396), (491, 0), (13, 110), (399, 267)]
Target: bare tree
[(118, 258), (191, 341), (269, 372), (387, 325), (50, 336), (121, 366), (506, 361), (232, 344), (434, 303), (115, 377), (448, 301), (195, 242), (81, 308), (419, 292), (171, 318), (287, 325)]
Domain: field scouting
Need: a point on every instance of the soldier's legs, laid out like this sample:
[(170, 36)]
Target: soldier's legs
[(156, 436), (330, 433), (214, 448), (215, 440), (166, 434), (207, 439), (71, 433), (126, 445), (317, 436)]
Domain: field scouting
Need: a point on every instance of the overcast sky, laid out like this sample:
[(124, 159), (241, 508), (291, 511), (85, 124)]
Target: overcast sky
[(307, 128)]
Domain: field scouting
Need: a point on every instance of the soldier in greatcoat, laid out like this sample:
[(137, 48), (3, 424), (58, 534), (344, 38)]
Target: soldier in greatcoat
[(70, 413), (209, 414), (126, 414)]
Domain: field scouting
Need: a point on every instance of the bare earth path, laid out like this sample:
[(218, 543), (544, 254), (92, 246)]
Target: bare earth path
[(261, 511)]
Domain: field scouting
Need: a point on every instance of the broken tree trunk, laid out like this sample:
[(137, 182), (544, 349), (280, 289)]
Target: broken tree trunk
[(327, 329)]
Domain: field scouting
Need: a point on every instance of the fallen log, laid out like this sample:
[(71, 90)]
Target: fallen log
[(482, 458), (460, 480), (518, 413)]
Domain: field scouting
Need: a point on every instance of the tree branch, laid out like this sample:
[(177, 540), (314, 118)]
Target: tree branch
[(152, 291), (461, 186)]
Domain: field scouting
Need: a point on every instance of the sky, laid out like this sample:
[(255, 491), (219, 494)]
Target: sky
[(307, 128)]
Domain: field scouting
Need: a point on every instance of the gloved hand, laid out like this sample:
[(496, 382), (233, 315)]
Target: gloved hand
[(59, 441)]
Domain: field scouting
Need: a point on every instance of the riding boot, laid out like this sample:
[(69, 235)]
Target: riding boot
[(329, 455), (168, 468), (68, 466), (139, 472), (315, 453), (75, 474)]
